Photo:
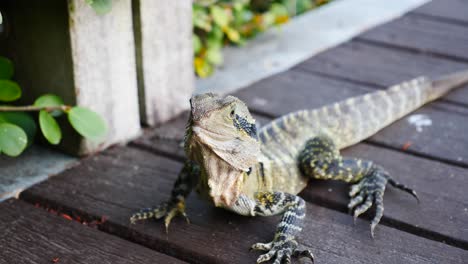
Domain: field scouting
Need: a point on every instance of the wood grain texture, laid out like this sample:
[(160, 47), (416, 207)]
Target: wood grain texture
[(124, 179), (444, 139), (440, 215), (423, 34), (32, 235), (105, 80), (381, 66), (446, 9), (164, 47)]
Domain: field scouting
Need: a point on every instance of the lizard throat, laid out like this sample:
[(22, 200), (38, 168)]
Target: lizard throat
[(224, 182)]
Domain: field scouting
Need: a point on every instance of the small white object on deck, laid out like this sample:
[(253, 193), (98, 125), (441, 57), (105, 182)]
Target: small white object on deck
[(419, 121)]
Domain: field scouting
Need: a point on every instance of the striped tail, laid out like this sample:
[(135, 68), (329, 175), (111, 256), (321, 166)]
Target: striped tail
[(355, 119), (360, 117)]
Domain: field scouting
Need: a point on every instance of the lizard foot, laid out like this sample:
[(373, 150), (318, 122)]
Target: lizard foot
[(281, 250), (370, 190), (167, 210)]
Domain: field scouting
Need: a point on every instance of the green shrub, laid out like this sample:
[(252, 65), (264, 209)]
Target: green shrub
[(18, 128), (221, 22)]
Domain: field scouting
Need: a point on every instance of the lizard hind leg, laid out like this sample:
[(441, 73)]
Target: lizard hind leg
[(320, 159)]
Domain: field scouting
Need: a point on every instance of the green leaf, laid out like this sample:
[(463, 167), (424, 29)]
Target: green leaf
[(23, 120), (49, 127), (202, 67), (50, 100), (219, 15), (214, 56), (9, 91), (201, 19), (6, 68), (215, 38), (100, 6), (87, 123), (232, 34), (197, 44), (13, 140)]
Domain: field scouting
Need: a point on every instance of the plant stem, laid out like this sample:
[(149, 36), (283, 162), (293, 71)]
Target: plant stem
[(32, 108)]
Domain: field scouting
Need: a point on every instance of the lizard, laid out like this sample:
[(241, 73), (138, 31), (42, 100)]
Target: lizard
[(259, 172)]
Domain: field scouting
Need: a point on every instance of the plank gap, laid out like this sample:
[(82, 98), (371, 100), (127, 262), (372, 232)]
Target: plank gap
[(408, 49), (368, 84), (115, 229), (415, 153), (389, 222), (448, 20)]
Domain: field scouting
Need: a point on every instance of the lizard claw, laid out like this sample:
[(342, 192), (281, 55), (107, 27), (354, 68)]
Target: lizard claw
[(370, 190), (178, 208), (166, 210), (281, 251)]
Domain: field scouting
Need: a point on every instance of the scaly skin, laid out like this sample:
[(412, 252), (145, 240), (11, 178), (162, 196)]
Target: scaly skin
[(259, 173)]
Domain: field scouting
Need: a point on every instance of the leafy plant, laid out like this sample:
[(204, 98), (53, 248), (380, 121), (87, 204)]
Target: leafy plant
[(217, 23), (18, 128), (221, 22)]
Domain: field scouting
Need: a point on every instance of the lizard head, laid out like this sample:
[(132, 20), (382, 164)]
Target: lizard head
[(221, 136)]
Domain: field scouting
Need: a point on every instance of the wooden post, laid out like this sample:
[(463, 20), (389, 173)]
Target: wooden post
[(64, 47), (163, 35)]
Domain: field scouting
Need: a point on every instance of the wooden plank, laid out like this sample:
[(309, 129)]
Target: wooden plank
[(163, 31), (380, 66), (423, 34), (125, 179), (31, 235), (103, 52), (445, 139), (446, 9), (431, 180), (65, 48)]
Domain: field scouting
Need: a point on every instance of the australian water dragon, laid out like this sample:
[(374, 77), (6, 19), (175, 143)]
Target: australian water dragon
[(259, 173)]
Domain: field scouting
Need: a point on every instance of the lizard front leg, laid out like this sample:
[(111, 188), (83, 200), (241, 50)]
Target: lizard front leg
[(176, 204), (320, 159), (284, 244)]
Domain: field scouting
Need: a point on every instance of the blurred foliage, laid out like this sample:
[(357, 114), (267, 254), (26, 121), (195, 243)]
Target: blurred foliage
[(18, 128), (100, 6), (217, 23)]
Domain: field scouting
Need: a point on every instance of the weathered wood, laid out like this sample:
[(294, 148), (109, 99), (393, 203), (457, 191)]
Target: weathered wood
[(163, 31), (431, 180), (446, 9), (420, 33), (381, 66), (103, 52), (445, 139), (64, 47), (125, 179), (31, 235)]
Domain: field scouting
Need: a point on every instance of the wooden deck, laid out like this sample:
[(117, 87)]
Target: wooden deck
[(81, 216)]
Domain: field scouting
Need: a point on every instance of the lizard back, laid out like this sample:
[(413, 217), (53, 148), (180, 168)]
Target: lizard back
[(347, 122)]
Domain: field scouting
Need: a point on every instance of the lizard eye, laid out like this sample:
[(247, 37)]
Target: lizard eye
[(231, 115)]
